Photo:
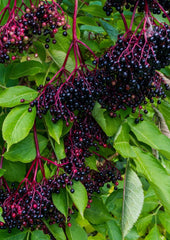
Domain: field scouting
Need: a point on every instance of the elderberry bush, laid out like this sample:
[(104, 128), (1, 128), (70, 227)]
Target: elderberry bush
[(79, 157)]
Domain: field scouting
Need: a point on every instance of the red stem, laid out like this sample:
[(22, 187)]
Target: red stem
[(163, 10), (133, 16), (36, 142), (124, 21)]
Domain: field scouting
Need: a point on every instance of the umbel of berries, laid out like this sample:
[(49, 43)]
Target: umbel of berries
[(28, 24)]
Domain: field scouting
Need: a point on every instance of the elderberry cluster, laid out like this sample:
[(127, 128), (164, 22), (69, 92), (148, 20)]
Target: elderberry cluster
[(26, 206), (84, 140), (128, 70), (19, 33), (142, 5), (64, 99)]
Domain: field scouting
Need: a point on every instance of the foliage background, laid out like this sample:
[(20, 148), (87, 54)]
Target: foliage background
[(140, 208)]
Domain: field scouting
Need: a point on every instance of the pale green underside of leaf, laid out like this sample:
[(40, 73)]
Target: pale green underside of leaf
[(133, 199)]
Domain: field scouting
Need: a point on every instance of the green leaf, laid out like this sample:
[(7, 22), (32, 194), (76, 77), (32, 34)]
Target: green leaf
[(164, 108), (38, 234), (56, 231), (150, 202), (87, 20), (111, 31), (1, 218), (75, 232), (156, 174), (97, 213), (132, 235), (143, 223), (109, 125), (112, 200), (133, 199), (59, 57), (60, 150), (15, 235), (91, 162), (15, 172), (26, 68), (79, 197), (148, 133), (90, 28), (154, 234), (18, 124), (25, 150), (60, 201), (121, 142), (54, 129), (11, 97), (2, 172), (40, 50), (94, 10), (164, 218), (114, 231)]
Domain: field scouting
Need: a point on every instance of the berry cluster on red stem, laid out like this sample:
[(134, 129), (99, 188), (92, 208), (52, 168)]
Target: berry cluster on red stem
[(27, 24)]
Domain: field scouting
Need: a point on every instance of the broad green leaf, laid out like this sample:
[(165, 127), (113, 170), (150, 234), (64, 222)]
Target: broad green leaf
[(133, 199), (97, 213), (91, 162), (2, 172), (92, 45), (18, 124), (40, 50), (11, 96), (56, 231), (121, 141), (113, 199), (25, 150), (38, 234), (151, 201), (110, 30), (109, 125), (25, 69), (54, 129), (79, 197), (60, 201), (15, 235), (164, 218), (1, 218), (60, 150), (164, 108), (154, 234), (148, 133), (132, 235), (142, 224), (15, 172), (90, 28), (87, 20), (156, 174), (114, 231), (75, 232), (94, 10), (59, 57)]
